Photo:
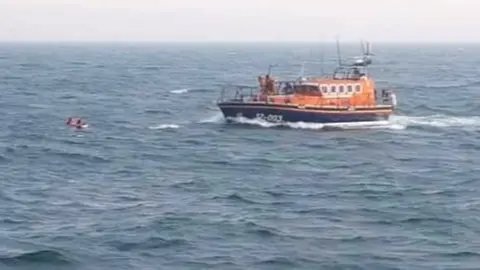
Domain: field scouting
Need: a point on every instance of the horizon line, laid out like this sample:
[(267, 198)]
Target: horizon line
[(245, 41)]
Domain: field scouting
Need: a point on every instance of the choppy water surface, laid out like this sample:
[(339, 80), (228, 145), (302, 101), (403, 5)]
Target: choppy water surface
[(159, 181)]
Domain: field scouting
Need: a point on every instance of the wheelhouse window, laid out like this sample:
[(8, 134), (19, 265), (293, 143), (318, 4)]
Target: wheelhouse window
[(341, 89), (349, 88), (358, 88), (324, 89), (306, 88), (333, 89)]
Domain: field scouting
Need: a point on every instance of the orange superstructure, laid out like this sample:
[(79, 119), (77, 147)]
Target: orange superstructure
[(323, 92)]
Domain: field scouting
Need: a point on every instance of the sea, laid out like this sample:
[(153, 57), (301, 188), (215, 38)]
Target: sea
[(159, 180)]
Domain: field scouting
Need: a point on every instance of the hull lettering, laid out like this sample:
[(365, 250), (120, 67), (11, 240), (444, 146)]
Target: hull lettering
[(270, 117)]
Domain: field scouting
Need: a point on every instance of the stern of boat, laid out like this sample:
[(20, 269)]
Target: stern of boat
[(386, 97)]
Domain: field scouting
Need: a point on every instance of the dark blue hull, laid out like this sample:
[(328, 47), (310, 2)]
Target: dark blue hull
[(276, 114)]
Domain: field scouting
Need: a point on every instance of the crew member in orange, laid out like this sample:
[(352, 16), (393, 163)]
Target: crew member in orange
[(261, 81), (270, 85)]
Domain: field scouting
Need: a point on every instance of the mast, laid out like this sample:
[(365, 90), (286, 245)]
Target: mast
[(338, 53), (365, 60), (321, 60), (270, 69), (302, 70)]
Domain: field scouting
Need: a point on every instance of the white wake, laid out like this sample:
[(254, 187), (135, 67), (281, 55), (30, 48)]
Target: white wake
[(439, 121), (396, 122), (179, 91), (165, 126)]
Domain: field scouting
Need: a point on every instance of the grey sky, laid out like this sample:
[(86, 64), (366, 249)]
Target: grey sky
[(239, 20)]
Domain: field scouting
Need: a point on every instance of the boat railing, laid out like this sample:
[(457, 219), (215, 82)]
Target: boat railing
[(241, 93), (386, 97), (244, 93), (319, 78)]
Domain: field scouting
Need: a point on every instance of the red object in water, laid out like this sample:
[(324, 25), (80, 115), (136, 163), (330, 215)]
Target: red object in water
[(79, 123)]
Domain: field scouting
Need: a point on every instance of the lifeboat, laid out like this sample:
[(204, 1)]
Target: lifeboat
[(348, 95)]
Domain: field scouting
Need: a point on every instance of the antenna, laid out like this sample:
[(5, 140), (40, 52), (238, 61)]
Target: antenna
[(321, 60), (302, 70), (338, 53), (369, 48), (366, 48), (270, 69), (365, 59)]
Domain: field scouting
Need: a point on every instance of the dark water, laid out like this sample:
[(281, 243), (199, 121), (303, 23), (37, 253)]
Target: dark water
[(159, 181)]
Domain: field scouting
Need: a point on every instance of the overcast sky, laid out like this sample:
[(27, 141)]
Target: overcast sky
[(240, 20)]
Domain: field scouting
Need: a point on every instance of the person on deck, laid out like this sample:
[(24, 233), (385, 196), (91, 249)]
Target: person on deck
[(270, 85), (261, 81)]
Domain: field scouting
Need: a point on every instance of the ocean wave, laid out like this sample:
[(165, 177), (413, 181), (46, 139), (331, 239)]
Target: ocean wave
[(37, 257), (147, 244), (462, 254), (214, 119), (165, 126), (260, 200), (179, 91), (77, 156), (262, 231), (438, 121), (187, 90), (235, 197), (280, 262), (158, 111), (459, 84)]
